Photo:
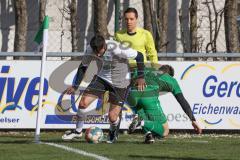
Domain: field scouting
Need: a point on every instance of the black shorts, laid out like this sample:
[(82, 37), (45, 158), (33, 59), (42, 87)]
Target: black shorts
[(99, 86)]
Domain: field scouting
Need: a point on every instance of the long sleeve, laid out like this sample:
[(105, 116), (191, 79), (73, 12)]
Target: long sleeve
[(140, 65), (185, 106), (80, 74), (150, 48)]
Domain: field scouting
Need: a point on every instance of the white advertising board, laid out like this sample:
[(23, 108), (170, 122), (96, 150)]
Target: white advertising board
[(211, 88)]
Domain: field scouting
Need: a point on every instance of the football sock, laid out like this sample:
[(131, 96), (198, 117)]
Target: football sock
[(79, 126), (80, 120), (81, 114), (114, 125)]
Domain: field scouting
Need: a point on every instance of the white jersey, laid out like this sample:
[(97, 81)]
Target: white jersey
[(114, 63)]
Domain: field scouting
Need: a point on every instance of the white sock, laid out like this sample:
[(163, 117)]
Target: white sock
[(79, 126), (81, 114), (80, 121), (142, 123)]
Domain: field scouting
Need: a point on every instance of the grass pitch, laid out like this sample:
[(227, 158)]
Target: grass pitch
[(20, 146)]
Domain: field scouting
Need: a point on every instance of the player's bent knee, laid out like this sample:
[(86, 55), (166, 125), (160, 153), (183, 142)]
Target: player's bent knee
[(86, 100), (114, 113), (165, 133), (84, 103), (113, 117)]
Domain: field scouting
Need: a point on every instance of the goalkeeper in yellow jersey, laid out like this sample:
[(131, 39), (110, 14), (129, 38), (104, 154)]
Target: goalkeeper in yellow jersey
[(137, 38)]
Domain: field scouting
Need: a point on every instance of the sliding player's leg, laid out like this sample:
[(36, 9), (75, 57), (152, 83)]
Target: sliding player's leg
[(151, 118), (137, 119), (157, 121), (139, 100), (133, 100), (143, 120)]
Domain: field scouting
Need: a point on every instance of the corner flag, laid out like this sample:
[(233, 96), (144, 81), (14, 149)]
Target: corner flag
[(43, 28), (41, 38)]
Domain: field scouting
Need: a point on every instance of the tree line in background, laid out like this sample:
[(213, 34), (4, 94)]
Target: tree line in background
[(155, 13), (21, 22)]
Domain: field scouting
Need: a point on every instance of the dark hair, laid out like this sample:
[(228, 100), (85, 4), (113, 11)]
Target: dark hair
[(167, 69), (131, 10), (97, 43)]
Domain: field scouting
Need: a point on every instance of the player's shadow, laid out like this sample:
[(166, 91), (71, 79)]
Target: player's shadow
[(168, 157)]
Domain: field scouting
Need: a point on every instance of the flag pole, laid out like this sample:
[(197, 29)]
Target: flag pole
[(42, 73)]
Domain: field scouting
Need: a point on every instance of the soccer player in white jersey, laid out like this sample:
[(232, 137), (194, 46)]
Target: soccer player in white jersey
[(113, 76)]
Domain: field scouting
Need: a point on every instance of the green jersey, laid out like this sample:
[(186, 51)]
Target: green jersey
[(158, 83)]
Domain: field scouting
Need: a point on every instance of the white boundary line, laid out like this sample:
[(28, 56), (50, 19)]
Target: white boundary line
[(78, 151)]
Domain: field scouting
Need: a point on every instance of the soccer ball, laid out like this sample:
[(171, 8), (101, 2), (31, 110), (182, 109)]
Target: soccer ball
[(94, 135)]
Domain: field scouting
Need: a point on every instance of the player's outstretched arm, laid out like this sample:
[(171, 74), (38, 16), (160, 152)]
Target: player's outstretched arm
[(196, 127), (187, 109), (80, 74)]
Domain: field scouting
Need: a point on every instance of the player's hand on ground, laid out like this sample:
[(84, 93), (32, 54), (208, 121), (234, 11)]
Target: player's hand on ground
[(196, 127), (141, 84), (70, 90)]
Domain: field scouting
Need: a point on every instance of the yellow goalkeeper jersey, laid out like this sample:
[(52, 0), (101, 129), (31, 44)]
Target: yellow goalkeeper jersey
[(141, 41)]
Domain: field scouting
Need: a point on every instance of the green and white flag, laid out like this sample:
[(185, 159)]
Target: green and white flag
[(42, 33), (41, 38)]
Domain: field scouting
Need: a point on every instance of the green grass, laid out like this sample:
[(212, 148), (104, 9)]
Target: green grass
[(19, 146)]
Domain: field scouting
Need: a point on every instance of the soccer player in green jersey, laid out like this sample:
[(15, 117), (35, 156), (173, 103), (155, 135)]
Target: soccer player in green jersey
[(150, 114)]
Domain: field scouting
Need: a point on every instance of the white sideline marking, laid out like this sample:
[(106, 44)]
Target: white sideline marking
[(78, 151)]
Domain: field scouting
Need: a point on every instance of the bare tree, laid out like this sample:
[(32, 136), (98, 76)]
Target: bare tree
[(193, 26), (162, 25), (147, 15), (231, 30), (215, 21), (21, 22), (73, 19), (100, 17), (182, 37), (42, 10)]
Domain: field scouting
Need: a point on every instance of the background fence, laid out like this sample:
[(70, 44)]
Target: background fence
[(60, 33)]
